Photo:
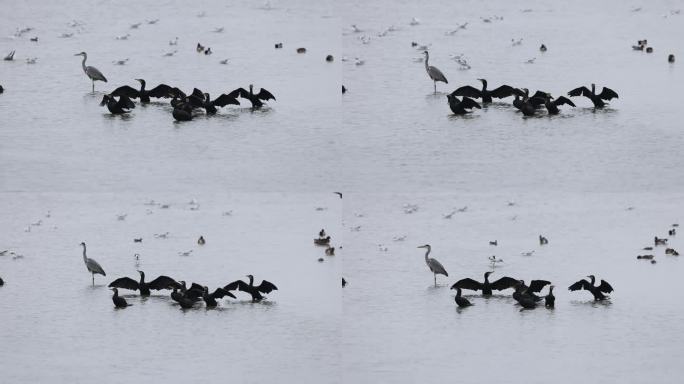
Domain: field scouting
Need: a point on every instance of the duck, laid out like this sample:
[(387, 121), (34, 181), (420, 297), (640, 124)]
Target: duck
[(200, 48), (671, 58), (321, 233), (330, 251), (301, 50), (658, 241), (543, 48), (461, 301), (278, 45), (201, 240), (208, 51), (322, 241), (494, 243), (672, 232), (646, 257)]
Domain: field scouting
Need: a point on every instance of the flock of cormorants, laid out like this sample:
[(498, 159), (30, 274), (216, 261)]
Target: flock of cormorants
[(525, 295), (183, 105)]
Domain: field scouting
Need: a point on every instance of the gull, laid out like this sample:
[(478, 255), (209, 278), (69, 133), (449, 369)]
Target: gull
[(123, 37), (358, 61), (31, 60), (169, 54), (528, 253), (531, 61), (121, 217), (152, 21), (165, 206), (227, 213), (359, 214), (319, 209), (135, 26), (382, 248), (28, 229), (186, 253), (356, 29), (47, 214), (10, 56), (37, 223), (399, 238), (410, 208), (174, 42), (463, 209), (224, 61), (515, 42), (365, 39), (414, 21), (120, 62), (201, 14), (195, 207), (218, 30), (449, 215), (3, 253), (511, 203), (493, 260), (164, 235), (66, 35), (151, 202), (75, 23), (356, 229)]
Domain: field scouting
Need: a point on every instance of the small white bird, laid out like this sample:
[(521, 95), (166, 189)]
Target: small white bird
[(152, 21), (174, 42), (414, 21), (136, 25), (121, 217), (31, 60), (169, 54), (66, 35), (123, 37), (120, 62), (218, 30)]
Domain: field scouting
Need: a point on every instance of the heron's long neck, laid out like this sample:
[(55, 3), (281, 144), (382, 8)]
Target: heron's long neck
[(426, 254), (427, 57), (85, 258), (83, 62)]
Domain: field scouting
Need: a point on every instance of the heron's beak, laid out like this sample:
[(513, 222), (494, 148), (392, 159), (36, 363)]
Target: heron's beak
[(78, 54)]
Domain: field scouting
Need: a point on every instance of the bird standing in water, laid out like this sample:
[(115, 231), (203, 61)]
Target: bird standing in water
[(92, 265), (434, 265), (434, 73), (92, 72)]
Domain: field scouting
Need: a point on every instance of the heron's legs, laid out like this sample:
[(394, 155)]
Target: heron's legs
[(93, 86), (435, 83), (435, 275), (93, 279)]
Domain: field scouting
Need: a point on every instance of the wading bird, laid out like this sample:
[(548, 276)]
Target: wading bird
[(486, 287), (255, 291), (92, 72), (606, 94), (434, 265), (119, 301), (92, 265), (461, 107), (255, 99), (161, 282), (434, 73), (117, 107), (485, 94), (161, 90), (597, 291)]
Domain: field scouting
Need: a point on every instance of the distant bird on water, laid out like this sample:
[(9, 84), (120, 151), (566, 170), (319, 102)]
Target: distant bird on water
[(161, 282), (92, 72), (2, 89), (606, 94), (434, 265), (201, 240), (597, 291), (119, 301), (2, 282), (92, 265), (255, 291), (434, 73)]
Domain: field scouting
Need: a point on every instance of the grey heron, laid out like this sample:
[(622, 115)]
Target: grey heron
[(434, 265), (434, 73), (606, 94), (255, 291), (161, 282), (92, 265), (119, 301), (92, 72), (597, 291)]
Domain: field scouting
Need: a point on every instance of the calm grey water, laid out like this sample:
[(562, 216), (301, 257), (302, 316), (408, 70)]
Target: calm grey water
[(598, 184)]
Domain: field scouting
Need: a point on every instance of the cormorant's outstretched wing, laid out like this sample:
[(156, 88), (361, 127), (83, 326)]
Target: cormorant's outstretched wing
[(605, 287), (608, 94), (195, 291), (468, 103), (125, 102), (128, 91), (467, 283), (536, 101), (582, 284), (503, 91), (163, 282), (540, 95), (467, 90), (504, 283), (538, 285), (219, 293), (581, 91), (224, 100), (266, 95), (240, 92), (162, 90), (563, 100), (266, 287), (238, 284), (176, 92), (125, 283)]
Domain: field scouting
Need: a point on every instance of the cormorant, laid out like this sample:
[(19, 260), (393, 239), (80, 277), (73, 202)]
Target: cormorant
[(534, 287), (344, 282), (255, 99), (117, 107), (597, 291), (198, 99), (161, 90), (435, 266), (461, 107), (649, 50), (255, 291), (344, 89), (201, 240), (543, 240), (462, 302), (161, 282), (660, 241), (210, 298), (485, 94), (2, 89), (528, 105), (322, 241), (329, 58), (486, 287), (552, 105), (671, 58), (434, 73), (182, 109), (549, 299), (119, 301), (606, 94), (523, 296)]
